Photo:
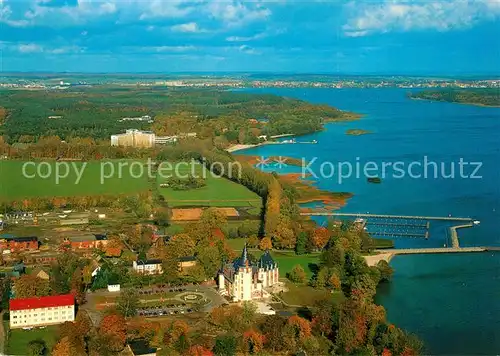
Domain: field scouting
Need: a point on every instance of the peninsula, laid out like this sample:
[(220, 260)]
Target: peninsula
[(480, 97)]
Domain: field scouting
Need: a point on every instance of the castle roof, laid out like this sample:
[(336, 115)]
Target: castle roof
[(266, 260), (243, 260)]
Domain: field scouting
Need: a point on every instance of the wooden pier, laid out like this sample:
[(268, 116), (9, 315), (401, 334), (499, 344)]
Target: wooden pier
[(389, 224), (385, 216)]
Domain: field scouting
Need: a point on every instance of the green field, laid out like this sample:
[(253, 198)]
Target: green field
[(307, 295), (218, 192), (285, 259), (18, 339), (16, 184)]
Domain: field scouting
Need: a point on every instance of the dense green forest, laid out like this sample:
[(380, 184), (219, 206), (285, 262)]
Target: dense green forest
[(94, 112), (485, 97)]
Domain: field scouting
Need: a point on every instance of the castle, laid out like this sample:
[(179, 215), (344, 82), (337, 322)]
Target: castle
[(243, 281)]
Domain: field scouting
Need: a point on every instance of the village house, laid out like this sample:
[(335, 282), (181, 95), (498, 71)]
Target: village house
[(151, 266), (41, 311), (186, 262), (19, 243), (40, 272), (86, 242), (43, 258), (154, 266)]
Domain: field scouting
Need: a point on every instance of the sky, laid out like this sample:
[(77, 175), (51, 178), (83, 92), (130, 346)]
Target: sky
[(447, 37)]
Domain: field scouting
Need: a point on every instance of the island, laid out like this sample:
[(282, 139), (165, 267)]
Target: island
[(357, 132), (376, 180), (480, 97)]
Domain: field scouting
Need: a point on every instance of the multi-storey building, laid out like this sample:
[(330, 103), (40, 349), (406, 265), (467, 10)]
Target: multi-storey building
[(243, 281), (134, 138), (41, 311)]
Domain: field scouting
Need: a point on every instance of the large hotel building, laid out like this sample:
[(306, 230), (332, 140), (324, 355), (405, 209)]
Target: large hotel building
[(41, 311)]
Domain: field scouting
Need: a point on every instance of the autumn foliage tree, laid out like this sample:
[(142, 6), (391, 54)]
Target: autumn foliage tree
[(113, 327), (320, 237), (301, 326), (254, 341), (297, 275), (265, 244), (28, 286)]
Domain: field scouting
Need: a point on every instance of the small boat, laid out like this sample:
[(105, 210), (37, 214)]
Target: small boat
[(67, 211), (476, 222), (62, 216)]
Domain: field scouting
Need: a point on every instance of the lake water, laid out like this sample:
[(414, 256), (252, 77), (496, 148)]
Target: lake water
[(452, 302)]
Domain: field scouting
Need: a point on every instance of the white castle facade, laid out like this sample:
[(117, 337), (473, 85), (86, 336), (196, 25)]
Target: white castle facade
[(243, 281)]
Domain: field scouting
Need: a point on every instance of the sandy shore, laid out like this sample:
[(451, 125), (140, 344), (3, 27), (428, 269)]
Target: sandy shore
[(374, 259), (238, 147)]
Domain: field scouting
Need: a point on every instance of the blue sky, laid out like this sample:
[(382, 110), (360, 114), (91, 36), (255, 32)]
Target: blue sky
[(358, 36)]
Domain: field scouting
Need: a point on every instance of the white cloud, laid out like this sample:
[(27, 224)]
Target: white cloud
[(246, 39), (162, 8), (403, 15), (171, 48), (248, 50), (186, 27), (29, 48), (36, 48), (236, 13)]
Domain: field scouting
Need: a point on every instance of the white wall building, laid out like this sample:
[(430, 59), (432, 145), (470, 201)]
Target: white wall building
[(148, 267), (242, 281), (42, 311)]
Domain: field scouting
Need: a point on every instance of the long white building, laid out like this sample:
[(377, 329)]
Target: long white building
[(41, 311)]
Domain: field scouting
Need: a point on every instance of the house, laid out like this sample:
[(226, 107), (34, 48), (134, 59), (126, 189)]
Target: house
[(40, 272), (186, 262), (87, 242), (19, 243), (41, 258), (41, 311), (243, 281), (151, 266), (141, 348)]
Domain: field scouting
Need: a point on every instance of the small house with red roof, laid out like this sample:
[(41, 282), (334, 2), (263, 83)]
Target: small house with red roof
[(41, 311)]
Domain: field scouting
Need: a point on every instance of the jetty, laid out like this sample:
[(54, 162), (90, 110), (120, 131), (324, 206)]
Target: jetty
[(388, 254), (454, 234), (386, 216)]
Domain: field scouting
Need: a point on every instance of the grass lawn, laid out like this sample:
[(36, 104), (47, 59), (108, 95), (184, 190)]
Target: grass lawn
[(307, 296), (15, 185), (218, 192), (19, 339), (286, 259)]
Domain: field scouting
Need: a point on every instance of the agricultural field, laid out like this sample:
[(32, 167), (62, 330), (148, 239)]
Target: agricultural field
[(217, 192), (71, 179)]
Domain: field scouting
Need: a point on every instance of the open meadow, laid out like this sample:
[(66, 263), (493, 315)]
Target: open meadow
[(217, 191), (18, 339), (75, 179)]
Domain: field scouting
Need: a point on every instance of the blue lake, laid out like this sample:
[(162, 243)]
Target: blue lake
[(450, 301)]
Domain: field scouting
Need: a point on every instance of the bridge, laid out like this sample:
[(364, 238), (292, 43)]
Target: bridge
[(414, 251), (385, 216), (388, 254)]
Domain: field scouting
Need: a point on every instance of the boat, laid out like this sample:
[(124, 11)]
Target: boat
[(476, 222), (62, 216)]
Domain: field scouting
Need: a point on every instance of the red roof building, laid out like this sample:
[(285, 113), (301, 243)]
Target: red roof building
[(41, 311)]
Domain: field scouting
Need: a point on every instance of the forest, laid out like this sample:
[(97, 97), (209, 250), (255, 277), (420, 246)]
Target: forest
[(95, 112), (483, 97)]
